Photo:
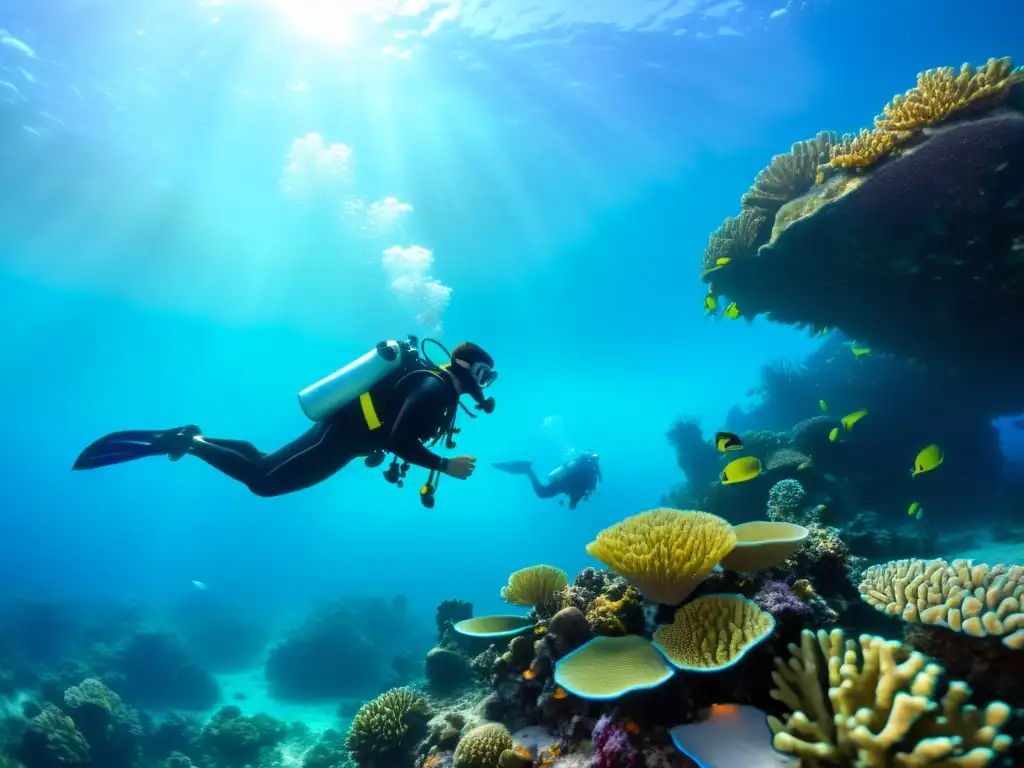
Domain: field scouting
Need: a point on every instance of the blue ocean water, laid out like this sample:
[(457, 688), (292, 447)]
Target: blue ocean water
[(207, 206)]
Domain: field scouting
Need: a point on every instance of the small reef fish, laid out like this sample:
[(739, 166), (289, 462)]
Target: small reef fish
[(529, 674), (631, 728), (859, 351), (823, 405), (731, 311), (834, 434), (928, 459), (560, 693), (727, 441), (710, 303), (853, 418), (915, 510), (719, 263), (741, 470)]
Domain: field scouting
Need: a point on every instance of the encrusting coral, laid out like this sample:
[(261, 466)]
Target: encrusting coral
[(871, 703), (388, 726), (978, 600), (713, 632), (533, 585), (665, 553)]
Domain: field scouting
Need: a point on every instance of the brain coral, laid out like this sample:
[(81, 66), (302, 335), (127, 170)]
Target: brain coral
[(532, 586), (665, 553), (978, 600), (713, 632), (482, 746), (387, 727)]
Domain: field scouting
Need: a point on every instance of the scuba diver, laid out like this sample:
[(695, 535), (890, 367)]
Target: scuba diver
[(576, 478), (393, 399)]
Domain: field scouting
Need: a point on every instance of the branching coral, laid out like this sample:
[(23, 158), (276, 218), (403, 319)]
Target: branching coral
[(978, 600), (871, 703), (789, 175), (53, 737), (664, 553), (939, 94), (387, 727), (532, 586)]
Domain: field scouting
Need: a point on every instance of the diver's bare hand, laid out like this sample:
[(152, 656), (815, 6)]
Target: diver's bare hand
[(460, 467)]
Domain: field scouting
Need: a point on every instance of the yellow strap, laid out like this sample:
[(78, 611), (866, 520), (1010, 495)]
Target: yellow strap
[(369, 412)]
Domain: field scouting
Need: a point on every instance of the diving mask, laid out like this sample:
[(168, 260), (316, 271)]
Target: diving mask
[(482, 374)]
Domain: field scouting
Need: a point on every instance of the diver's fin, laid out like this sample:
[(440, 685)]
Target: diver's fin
[(514, 467), (130, 445)]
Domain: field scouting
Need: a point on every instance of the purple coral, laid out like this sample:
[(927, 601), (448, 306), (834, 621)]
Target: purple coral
[(611, 746), (778, 599)]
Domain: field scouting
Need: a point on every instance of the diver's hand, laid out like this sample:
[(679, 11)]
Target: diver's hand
[(460, 467)]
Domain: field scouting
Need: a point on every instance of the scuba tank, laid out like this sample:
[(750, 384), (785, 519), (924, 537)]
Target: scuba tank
[(324, 397)]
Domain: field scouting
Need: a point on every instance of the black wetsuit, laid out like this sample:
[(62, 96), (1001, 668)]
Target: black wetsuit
[(418, 408), (577, 479)]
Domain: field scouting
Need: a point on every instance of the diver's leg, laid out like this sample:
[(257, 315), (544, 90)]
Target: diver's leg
[(314, 456), (541, 490)]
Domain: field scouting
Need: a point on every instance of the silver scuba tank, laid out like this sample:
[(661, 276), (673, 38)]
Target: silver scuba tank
[(320, 400)]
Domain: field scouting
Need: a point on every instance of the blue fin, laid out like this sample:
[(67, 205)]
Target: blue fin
[(121, 447), (514, 467)]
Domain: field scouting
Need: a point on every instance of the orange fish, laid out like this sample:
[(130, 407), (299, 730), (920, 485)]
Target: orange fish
[(529, 674), (632, 728), (560, 693)]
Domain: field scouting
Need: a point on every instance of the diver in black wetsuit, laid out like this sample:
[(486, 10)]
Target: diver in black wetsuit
[(404, 414), (576, 478)]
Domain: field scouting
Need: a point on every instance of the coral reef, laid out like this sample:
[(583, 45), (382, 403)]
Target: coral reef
[(936, 179), (876, 706), (386, 729), (534, 585), (713, 632), (483, 746), (978, 600)]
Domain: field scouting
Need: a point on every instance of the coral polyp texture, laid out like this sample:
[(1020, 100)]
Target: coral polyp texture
[(387, 727), (482, 746), (665, 553), (532, 586), (872, 702), (977, 600), (713, 632), (902, 234)]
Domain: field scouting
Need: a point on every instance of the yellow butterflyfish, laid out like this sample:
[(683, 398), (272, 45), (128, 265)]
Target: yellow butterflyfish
[(853, 418), (741, 470), (727, 441), (859, 351), (823, 405), (928, 459), (731, 311), (722, 261), (834, 434), (915, 510), (710, 303)]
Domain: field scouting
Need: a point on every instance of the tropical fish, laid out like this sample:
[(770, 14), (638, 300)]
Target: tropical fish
[(915, 510), (710, 303), (632, 728), (928, 459), (731, 311), (727, 441), (834, 434), (560, 693), (722, 261), (529, 674), (853, 418), (859, 351), (823, 405), (741, 470)]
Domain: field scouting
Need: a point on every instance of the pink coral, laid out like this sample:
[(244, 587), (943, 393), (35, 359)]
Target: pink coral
[(611, 746)]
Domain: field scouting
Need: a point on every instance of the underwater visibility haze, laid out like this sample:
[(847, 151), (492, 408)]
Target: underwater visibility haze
[(696, 323)]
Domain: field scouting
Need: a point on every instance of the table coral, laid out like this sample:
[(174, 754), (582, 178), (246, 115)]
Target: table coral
[(978, 600), (533, 585), (871, 703), (665, 553), (610, 667)]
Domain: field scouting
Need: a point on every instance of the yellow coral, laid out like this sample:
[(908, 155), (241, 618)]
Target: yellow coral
[(764, 544), (942, 92), (605, 615), (665, 553), (713, 632), (978, 600), (939, 94), (482, 746), (532, 586), (610, 667), (870, 703)]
